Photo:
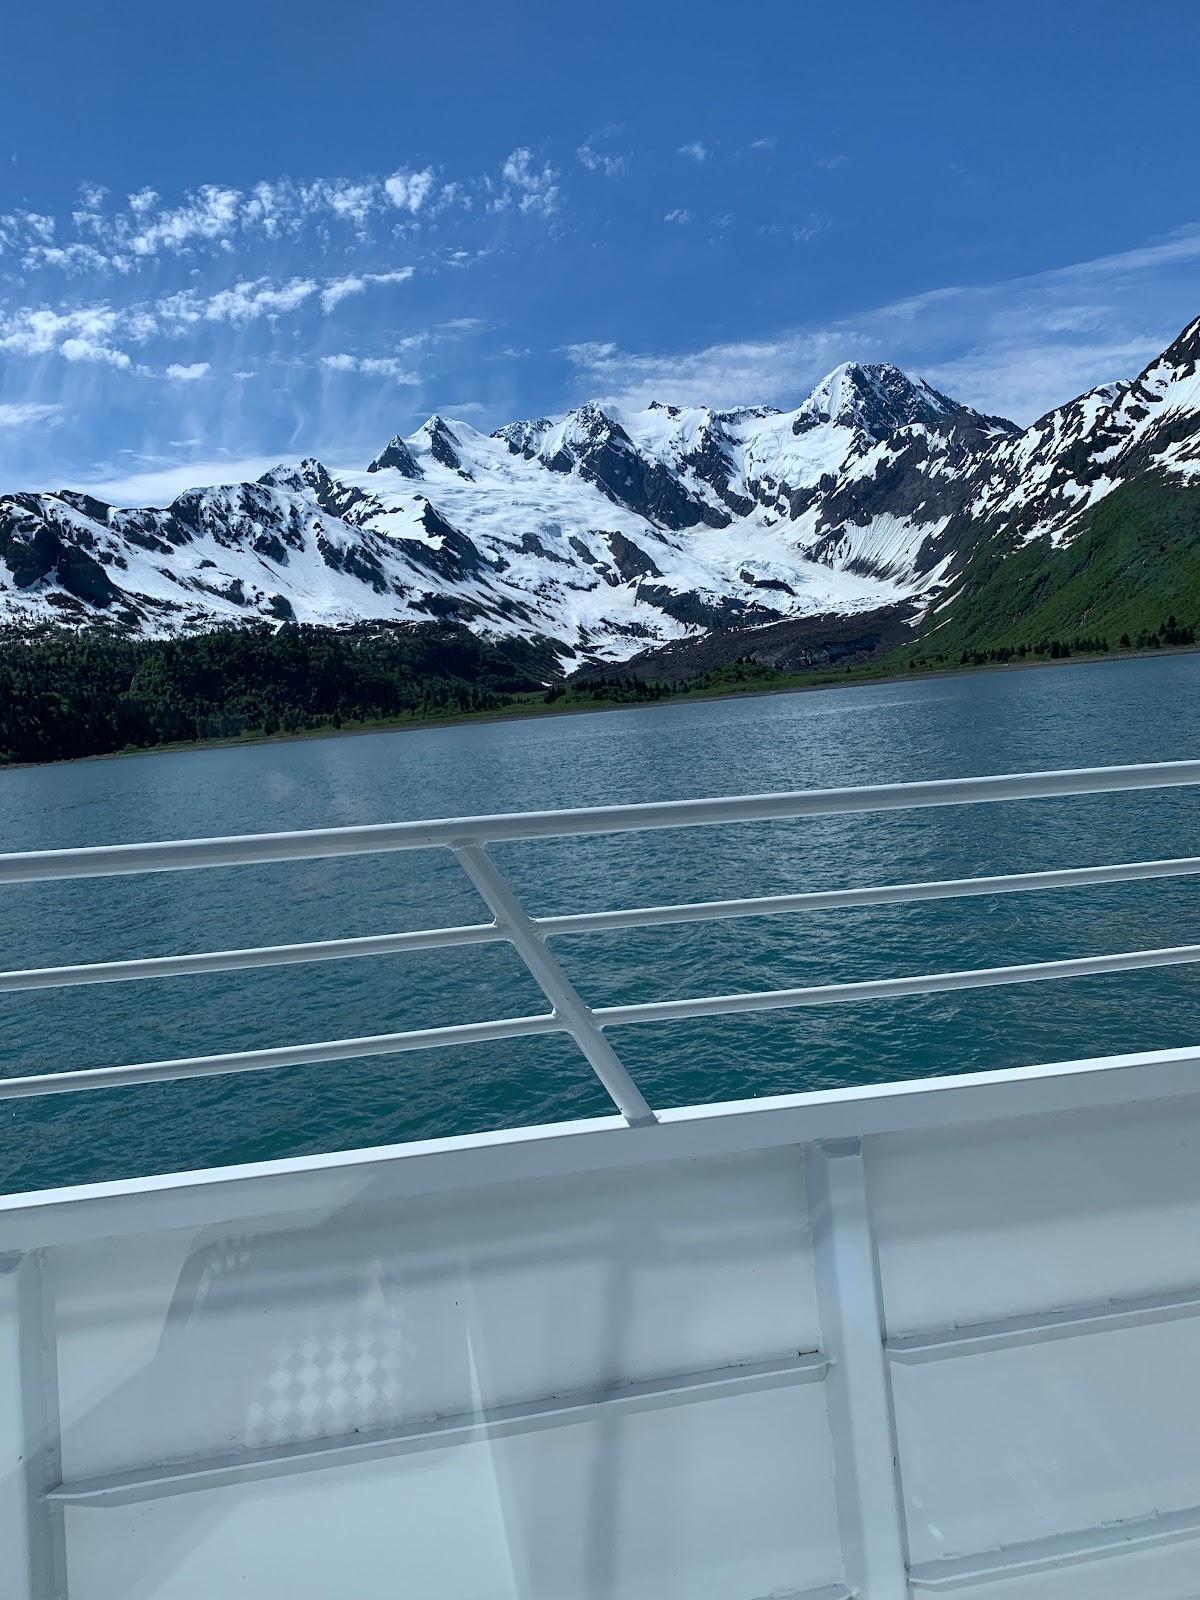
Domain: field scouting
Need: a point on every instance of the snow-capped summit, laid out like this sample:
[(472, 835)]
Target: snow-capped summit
[(437, 439), (611, 529), (524, 438), (594, 443), (877, 398)]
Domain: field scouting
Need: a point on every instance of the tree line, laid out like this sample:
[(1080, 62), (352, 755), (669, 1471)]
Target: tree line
[(1170, 632), (66, 694)]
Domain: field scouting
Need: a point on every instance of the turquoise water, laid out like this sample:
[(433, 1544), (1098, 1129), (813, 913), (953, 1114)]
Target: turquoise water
[(935, 728)]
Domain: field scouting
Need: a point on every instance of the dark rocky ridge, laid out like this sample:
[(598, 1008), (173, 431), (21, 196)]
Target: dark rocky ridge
[(796, 644)]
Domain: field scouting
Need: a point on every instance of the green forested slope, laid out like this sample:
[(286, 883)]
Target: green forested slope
[(1135, 563), (66, 694)]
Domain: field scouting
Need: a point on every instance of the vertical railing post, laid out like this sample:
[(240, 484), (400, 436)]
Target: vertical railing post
[(32, 1563), (858, 1390), (569, 1006)]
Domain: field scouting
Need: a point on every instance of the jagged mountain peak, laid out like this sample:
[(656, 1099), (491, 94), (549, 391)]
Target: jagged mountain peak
[(876, 397), (307, 480), (437, 426), (308, 474), (591, 420), (396, 457), (581, 432), (442, 440), (525, 438)]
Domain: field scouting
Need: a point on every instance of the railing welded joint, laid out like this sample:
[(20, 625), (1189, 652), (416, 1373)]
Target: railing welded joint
[(547, 972)]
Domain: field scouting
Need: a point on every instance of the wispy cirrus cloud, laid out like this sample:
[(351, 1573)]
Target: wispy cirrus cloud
[(18, 414), (800, 230), (1015, 347), (731, 373), (80, 348), (211, 215), (160, 485), (127, 294), (695, 150), (101, 331)]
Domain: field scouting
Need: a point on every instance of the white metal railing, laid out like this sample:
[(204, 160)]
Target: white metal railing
[(467, 839)]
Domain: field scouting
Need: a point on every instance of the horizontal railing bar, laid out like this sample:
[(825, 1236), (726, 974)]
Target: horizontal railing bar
[(885, 894), (298, 1055), (1041, 1327), (282, 955), (153, 1483), (948, 1573), (244, 850), (279, 955), (606, 1017), (175, 966), (827, 994)]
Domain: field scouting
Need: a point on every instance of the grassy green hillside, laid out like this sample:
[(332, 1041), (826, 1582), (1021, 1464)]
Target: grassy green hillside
[(1136, 563)]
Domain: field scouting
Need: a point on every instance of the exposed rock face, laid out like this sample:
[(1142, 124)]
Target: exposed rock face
[(595, 445), (396, 457)]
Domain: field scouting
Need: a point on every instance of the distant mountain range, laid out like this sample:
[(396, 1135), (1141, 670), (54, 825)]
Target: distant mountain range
[(877, 512)]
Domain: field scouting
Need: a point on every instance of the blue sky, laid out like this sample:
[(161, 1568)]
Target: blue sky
[(235, 233)]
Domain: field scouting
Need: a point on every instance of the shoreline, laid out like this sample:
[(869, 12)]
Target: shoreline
[(805, 683)]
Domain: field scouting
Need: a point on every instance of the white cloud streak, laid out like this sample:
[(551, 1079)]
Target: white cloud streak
[(159, 488), (99, 332), (342, 288), (81, 348), (244, 302), (371, 366), (26, 414)]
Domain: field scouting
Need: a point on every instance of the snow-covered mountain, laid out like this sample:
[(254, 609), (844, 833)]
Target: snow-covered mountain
[(609, 530), (1041, 481)]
